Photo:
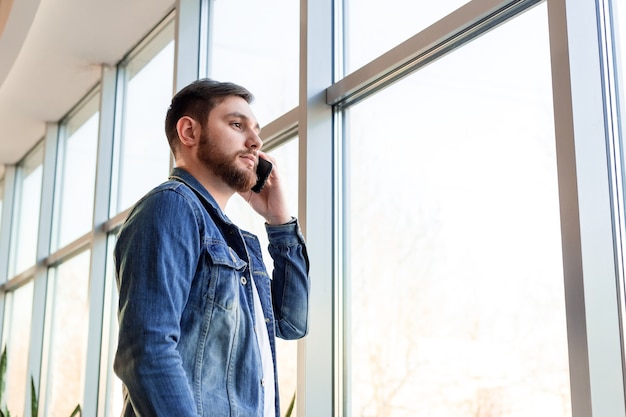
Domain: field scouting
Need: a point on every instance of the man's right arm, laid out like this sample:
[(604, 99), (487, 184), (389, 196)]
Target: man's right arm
[(155, 259)]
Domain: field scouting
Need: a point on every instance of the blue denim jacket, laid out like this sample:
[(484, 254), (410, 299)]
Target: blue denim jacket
[(186, 315)]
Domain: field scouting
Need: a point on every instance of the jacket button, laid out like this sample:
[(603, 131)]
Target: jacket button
[(263, 381), (244, 281), (267, 319)]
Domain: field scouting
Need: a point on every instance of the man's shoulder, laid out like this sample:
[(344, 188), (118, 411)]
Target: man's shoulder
[(168, 190), (170, 199)]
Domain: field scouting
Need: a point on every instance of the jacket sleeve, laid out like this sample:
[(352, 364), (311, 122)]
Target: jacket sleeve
[(290, 279), (155, 258)]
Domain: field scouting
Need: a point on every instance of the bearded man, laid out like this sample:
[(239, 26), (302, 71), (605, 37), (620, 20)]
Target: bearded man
[(198, 311)]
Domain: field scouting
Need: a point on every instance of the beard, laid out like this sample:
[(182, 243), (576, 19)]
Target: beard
[(224, 166)]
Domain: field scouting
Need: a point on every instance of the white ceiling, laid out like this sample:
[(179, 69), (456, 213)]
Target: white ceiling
[(51, 52)]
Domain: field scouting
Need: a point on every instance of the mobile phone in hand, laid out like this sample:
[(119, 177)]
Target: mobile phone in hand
[(263, 171)]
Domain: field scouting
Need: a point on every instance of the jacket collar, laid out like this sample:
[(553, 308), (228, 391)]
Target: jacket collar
[(207, 199)]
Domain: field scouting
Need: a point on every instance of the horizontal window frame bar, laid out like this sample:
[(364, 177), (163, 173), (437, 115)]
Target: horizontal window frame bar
[(442, 37)]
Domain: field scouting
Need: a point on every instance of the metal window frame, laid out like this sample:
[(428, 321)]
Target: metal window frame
[(317, 202), (586, 198), (6, 219), (589, 236), (5, 236), (192, 40), (37, 363), (592, 248), (96, 375)]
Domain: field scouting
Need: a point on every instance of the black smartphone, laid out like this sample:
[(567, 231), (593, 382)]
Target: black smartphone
[(263, 171)]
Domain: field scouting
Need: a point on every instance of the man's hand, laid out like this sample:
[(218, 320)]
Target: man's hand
[(270, 202)]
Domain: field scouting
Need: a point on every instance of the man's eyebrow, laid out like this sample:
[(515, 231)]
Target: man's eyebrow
[(244, 117)]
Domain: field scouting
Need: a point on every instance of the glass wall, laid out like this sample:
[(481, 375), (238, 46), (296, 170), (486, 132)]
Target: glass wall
[(241, 214), (67, 315), (455, 290), (144, 155), (26, 212), (620, 24), (18, 306), (249, 50), (144, 161), (365, 22), (1, 201), (443, 197), (619, 42), (74, 194), (114, 399)]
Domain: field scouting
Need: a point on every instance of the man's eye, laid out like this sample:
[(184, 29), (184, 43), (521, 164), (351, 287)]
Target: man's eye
[(236, 125)]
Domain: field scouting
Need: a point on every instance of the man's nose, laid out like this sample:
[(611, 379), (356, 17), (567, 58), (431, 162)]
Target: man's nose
[(254, 141)]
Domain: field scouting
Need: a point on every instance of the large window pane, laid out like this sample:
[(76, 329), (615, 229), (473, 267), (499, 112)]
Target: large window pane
[(26, 214), (242, 214), (77, 171), (373, 27), (114, 392), (619, 20), (255, 44), (16, 341), (67, 328), (619, 10), (619, 16), (144, 155), (1, 202), (454, 275)]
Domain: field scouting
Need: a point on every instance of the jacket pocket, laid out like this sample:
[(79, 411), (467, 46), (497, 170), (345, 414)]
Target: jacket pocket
[(226, 270)]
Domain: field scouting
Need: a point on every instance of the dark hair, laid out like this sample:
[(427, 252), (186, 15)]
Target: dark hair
[(196, 101)]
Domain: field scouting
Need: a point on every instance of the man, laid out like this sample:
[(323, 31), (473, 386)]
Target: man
[(198, 312)]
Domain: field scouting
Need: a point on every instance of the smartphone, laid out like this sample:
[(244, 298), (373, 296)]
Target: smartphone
[(263, 171)]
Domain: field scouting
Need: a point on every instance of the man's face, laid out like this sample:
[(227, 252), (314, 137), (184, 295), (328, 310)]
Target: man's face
[(229, 143)]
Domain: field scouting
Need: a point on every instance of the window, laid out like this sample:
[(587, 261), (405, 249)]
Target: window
[(67, 319), (620, 28), (144, 154), (255, 44), (16, 340), (26, 213), (433, 216), (620, 23), (372, 29), (77, 170), (1, 202), (243, 216), (455, 280), (114, 393)]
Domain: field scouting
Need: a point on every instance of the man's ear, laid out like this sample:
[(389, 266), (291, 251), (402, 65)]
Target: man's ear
[(188, 131)]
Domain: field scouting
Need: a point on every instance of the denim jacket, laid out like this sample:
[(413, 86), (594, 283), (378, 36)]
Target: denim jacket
[(187, 345)]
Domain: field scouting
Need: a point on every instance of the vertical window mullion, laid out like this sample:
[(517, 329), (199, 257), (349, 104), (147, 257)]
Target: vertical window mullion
[(97, 354), (192, 40), (43, 251), (6, 219), (585, 196), (316, 373)]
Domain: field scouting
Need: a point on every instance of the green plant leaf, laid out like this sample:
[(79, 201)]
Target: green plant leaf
[(3, 373), (77, 411), (34, 407), (291, 405)]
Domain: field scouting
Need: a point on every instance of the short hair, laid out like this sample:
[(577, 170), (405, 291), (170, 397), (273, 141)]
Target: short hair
[(196, 101)]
